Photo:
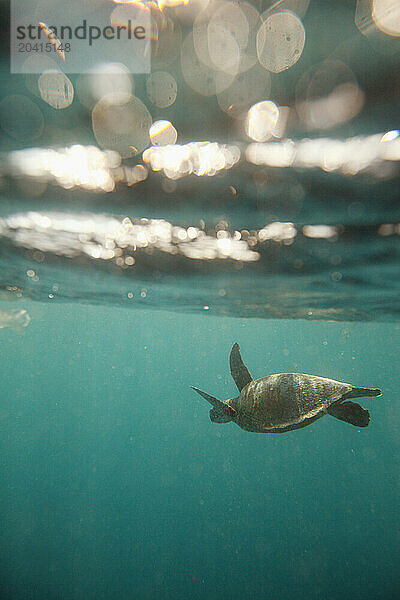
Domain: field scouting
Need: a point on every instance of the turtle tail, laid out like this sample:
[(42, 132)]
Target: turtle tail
[(360, 392)]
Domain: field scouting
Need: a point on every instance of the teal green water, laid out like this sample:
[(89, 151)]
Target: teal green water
[(116, 485)]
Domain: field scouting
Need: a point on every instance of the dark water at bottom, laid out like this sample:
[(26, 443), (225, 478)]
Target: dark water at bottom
[(116, 485)]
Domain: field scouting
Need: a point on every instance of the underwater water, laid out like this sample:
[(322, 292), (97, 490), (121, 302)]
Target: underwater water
[(116, 485), (245, 190)]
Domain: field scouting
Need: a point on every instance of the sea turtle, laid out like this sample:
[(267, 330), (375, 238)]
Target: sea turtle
[(286, 401)]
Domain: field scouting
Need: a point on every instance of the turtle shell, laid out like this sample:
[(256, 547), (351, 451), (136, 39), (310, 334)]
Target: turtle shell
[(285, 401)]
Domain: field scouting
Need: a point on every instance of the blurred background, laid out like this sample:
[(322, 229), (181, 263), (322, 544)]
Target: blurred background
[(261, 152)]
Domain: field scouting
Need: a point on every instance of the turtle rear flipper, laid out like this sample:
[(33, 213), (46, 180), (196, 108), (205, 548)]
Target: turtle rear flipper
[(239, 371), (350, 412)]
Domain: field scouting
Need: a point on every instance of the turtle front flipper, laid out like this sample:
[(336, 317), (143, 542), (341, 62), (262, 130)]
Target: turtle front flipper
[(239, 370), (350, 412)]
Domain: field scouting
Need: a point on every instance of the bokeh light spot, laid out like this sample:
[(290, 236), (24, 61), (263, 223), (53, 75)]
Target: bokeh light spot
[(246, 89), (262, 120), (21, 118), (163, 133), (280, 41), (328, 94), (56, 89), (121, 126), (105, 80), (161, 89), (202, 78), (386, 14)]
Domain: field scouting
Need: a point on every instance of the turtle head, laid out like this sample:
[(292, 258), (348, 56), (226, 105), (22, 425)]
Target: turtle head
[(221, 412), (218, 415)]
